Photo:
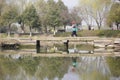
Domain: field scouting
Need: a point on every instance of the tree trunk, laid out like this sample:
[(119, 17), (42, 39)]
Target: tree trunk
[(0, 12), (98, 24), (54, 30), (89, 27), (46, 29), (9, 31), (117, 26), (30, 31), (22, 27), (64, 27), (99, 27)]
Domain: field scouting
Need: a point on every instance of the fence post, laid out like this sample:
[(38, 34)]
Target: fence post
[(38, 46), (67, 45)]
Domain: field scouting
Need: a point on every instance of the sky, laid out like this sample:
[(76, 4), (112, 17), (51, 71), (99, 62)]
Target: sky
[(70, 3)]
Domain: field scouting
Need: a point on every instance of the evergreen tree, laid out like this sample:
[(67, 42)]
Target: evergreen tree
[(53, 14), (63, 12), (41, 7), (9, 16), (2, 4), (114, 15), (31, 18)]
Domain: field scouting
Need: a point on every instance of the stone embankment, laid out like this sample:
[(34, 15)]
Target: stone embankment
[(96, 41), (9, 43)]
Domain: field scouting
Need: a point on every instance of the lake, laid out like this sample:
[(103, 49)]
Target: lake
[(22, 65)]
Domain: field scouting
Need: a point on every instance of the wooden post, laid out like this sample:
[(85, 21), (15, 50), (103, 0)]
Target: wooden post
[(67, 45), (38, 46)]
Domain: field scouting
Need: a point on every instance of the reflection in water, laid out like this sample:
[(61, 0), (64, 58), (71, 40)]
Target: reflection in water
[(71, 75), (56, 78), (94, 63), (93, 68), (45, 78), (74, 61), (46, 68), (114, 66)]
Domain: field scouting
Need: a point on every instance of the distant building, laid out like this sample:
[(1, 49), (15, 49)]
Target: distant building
[(68, 28)]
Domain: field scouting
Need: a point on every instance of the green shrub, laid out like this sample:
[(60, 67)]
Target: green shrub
[(66, 34), (109, 33), (86, 33), (63, 34)]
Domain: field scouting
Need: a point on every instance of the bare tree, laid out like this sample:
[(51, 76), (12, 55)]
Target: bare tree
[(2, 4), (75, 15), (85, 14), (99, 14), (94, 11)]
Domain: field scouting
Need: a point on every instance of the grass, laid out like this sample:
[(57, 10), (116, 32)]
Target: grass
[(87, 33), (83, 33), (3, 35), (85, 47), (27, 47), (110, 33), (79, 47)]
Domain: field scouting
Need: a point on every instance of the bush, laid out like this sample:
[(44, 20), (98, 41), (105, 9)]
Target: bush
[(66, 34), (86, 33), (63, 34), (109, 33)]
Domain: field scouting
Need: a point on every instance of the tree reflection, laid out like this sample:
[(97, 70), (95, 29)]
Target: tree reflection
[(52, 67), (114, 65), (29, 64), (93, 68), (32, 68), (8, 67), (39, 68)]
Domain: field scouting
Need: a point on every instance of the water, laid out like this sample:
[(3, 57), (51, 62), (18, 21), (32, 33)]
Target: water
[(22, 65), (59, 68), (71, 74)]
